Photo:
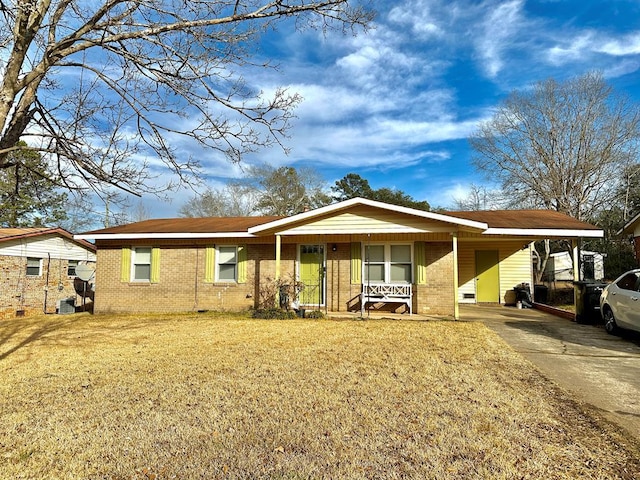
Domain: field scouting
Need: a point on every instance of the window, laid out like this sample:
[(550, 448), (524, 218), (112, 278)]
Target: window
[(141, 264), (34, 267), (227, 264), (71, 268), (628, 282), (387, 264)]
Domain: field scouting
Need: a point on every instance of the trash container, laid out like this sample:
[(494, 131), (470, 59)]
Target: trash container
[(523, 295), (540, 293), (587, 298)]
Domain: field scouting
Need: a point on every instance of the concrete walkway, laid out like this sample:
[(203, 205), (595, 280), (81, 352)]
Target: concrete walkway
[(599, 369)]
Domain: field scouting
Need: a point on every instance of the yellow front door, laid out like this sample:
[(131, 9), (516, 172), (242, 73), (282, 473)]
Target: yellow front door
[(312, 274), (487, 276)]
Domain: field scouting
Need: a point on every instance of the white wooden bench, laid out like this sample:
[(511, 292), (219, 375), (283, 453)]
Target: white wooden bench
[(386, 293)]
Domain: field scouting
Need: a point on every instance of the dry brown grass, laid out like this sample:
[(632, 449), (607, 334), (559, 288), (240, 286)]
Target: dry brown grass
[(206, 396)]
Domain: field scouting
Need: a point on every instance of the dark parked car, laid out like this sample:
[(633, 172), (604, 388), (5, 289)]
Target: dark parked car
[(620, 303)]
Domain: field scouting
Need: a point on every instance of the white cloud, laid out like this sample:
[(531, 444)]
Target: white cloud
[(626, 45), (577, 49), (501, 25)]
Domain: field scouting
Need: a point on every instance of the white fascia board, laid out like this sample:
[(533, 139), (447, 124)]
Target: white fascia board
[(370, 203), (362, 232), (544, 232), (160, 236)]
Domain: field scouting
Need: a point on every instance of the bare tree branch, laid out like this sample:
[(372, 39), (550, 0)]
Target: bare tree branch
[(148, 71)]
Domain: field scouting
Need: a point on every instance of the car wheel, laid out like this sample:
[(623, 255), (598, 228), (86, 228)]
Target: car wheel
[(610, 324)]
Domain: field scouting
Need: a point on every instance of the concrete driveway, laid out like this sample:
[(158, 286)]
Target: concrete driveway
[(599, 369)]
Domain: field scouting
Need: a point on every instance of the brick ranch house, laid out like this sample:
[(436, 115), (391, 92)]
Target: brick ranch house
[(38, 269), (349, 256)]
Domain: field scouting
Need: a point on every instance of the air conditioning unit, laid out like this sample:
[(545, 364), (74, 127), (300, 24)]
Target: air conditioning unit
[(67, 305)]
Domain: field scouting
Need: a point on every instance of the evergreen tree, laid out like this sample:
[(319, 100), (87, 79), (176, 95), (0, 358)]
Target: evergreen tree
[(28, 193)]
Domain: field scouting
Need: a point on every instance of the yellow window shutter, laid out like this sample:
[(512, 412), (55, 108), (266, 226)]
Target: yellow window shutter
[(209, 263), (155, 265), (420, 258), (125, 264), (242, 264), (356, 262)]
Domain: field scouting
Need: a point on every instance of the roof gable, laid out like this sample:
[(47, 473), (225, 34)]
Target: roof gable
[(393, 217), (21, 233)]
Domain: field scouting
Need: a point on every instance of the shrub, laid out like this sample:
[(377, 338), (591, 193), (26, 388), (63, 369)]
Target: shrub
[(315, 314), (273, 314)]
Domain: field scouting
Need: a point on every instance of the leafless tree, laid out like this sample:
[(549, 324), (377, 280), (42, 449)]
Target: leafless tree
[(560, 145), (232, 200), (480, 198), (286, 190), (145, 73)]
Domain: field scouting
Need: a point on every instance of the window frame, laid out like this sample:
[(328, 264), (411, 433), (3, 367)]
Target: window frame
[(74, 264), (134, 254), (387, 263), (235, 263), (39, 260)]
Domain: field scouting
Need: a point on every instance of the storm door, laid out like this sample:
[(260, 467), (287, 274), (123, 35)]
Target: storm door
[(312, 274)]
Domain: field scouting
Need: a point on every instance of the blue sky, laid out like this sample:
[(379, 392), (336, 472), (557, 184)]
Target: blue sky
[(397, 103)]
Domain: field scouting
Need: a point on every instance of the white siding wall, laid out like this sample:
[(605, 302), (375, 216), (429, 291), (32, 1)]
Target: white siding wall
[(515, 267), (45, 246)]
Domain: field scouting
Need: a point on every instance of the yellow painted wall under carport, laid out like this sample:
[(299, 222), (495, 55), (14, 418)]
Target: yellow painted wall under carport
[(514, 266)]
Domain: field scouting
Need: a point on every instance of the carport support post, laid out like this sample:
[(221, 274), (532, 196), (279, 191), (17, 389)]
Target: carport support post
[(277, 275), (575, 246), (456, 305)]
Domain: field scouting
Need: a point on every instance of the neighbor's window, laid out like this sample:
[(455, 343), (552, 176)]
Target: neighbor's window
[(71, 268), (141, 264), (227, 264), (34, 267), (387, 263)]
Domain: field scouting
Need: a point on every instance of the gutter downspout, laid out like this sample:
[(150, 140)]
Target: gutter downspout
[(46, 287)]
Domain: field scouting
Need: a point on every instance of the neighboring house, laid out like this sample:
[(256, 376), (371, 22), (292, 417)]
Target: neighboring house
[(38, 269), (632, 227), (350, 256), (559, 267)]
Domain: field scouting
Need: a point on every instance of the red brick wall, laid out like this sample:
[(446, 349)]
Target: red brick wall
[(29, 294)]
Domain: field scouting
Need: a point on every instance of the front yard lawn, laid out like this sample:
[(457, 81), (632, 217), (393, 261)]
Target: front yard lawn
[(212, 396)]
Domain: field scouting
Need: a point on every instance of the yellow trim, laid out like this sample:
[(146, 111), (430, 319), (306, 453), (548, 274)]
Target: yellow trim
[(242, 264), (209, 263), (420, 258), (356, 262), (155, 265), (125, 264)]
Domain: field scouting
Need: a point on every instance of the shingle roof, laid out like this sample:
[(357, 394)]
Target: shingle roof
[(8, 234), (495, 219), (530, 219), (189, 225)]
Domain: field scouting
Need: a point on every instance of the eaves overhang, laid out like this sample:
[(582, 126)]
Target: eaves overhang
[(161, 236), (544, 232)]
